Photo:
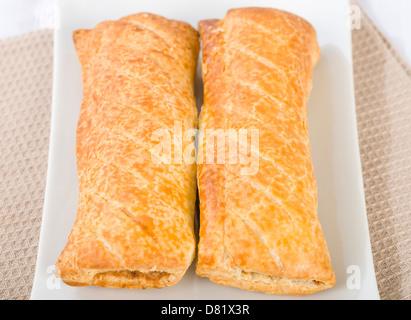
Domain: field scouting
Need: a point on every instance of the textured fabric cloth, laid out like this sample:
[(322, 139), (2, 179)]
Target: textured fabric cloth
[(26, 67), (383, 100), (383, 96)]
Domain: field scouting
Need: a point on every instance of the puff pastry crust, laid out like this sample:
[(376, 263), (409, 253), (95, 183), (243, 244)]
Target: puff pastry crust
[(134, 225), (261, 232)]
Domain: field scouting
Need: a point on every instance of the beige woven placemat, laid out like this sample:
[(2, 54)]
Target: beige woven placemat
[(383, 94), (26, 67), (383, 97)]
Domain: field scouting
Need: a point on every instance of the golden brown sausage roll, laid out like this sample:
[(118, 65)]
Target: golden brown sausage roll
[(134, 225), (259, 228)]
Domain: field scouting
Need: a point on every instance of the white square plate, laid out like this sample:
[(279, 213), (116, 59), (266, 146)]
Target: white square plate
[(333, 134)]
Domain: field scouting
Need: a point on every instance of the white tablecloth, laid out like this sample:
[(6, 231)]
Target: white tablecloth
[(392, 17)]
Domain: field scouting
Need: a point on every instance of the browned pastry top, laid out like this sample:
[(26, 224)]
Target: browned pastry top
[(261, 231), (134, 225)]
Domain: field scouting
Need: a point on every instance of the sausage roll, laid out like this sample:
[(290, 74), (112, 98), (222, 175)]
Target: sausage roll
[(134, 225), (259, 228)]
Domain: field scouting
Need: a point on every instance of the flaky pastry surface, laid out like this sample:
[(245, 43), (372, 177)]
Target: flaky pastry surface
[(261, 232), (134, 225)]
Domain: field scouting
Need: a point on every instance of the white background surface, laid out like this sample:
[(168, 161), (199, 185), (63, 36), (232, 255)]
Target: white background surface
[(333, 136), (392, 17)]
